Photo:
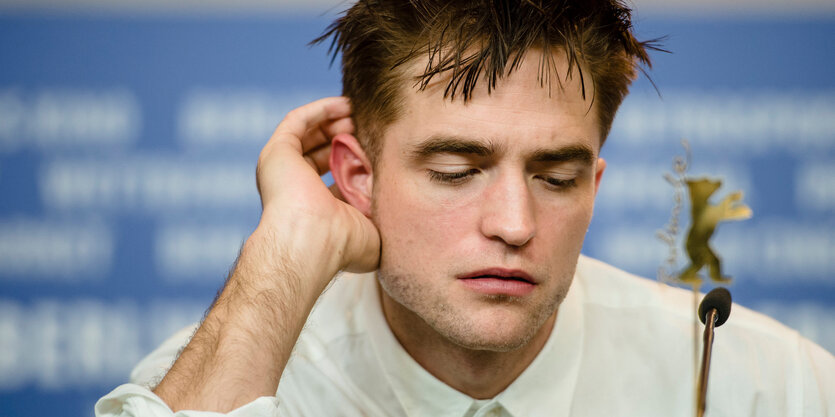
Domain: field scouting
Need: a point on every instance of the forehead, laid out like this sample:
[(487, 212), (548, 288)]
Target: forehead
[(527, 108)]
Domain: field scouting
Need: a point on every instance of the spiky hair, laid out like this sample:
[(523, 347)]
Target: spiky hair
[(471, 39)]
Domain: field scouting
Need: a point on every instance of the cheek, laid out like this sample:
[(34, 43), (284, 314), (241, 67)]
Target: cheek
[(418, 225), (570, 215), (561, 229)]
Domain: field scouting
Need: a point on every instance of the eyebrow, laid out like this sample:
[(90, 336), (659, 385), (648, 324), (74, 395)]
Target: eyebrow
[(571, 153), (457, 145), (451, 144)]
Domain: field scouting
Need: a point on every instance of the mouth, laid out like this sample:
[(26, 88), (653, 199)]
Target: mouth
[(500, 273), (499, 281)]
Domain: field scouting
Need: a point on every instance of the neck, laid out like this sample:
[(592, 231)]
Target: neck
[(481, 374)]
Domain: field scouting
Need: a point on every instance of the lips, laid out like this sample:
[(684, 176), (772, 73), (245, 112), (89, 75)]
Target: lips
[(500, 273), (499, 281)]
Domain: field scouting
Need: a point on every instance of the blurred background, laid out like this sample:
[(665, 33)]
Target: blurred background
[(129, 133)]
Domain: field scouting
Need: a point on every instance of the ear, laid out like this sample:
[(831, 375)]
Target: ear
[(352, 172), (601, 166)]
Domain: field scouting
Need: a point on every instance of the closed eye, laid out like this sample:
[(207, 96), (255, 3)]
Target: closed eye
[(453, 178), (559, 184)]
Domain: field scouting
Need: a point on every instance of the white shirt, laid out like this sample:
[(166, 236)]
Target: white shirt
[(621, 346)]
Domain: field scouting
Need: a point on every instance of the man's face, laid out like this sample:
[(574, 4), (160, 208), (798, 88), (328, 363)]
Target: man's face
[(483, 206)]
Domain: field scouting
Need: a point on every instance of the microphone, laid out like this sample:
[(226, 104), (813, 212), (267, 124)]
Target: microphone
[(718, 299), (713, 312)]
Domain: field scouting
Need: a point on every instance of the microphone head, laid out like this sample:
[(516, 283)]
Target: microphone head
[(720, 299)]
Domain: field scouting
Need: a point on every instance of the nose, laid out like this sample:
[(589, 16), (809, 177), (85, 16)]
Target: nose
[(507, 212)]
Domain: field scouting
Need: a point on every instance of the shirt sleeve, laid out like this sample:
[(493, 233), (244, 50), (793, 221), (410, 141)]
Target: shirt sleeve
[(137, 400), (131, 400)]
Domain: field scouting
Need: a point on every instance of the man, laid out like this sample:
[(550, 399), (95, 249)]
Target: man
[(467, 163)]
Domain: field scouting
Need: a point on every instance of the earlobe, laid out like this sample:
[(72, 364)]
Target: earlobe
[(601, 166), (352, 172)]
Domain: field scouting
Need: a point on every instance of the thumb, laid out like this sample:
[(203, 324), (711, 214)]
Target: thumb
[(363, 247)]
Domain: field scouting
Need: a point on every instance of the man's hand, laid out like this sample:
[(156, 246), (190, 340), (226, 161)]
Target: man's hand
[(305, 236), (289, 170)]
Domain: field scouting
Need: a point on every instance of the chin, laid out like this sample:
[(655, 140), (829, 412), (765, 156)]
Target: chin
[(497, 324), (495, 331), (490, 344)]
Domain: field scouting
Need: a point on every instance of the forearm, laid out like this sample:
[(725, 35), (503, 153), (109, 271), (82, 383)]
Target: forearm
[(243, 345), (305, 237)]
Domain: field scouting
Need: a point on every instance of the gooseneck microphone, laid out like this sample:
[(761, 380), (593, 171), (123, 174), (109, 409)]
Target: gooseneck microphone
[(713, 312)]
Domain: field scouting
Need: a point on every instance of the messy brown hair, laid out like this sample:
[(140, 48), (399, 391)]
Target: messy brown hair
[(470, 39)]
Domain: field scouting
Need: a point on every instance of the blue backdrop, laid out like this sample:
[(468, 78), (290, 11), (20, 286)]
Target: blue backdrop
[(128, 149)]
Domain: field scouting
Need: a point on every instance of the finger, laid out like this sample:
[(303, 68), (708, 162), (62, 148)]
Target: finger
[(339, 126), (319, 159), (322, 134), (314, 138), (294, 126)]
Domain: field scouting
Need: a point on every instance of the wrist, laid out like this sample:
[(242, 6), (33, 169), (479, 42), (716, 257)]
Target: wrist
[(310, 249)]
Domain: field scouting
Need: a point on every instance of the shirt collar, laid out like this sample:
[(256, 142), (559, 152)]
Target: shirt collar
[(544, 388)]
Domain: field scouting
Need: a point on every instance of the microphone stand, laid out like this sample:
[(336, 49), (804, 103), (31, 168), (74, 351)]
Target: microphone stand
[(713, 312), (706, 350)]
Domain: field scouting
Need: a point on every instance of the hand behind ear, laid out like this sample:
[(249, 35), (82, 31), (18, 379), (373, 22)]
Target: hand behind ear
[(296, 203)]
